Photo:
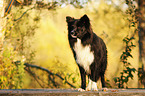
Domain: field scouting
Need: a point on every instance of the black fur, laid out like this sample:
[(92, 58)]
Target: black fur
[(81, 28)]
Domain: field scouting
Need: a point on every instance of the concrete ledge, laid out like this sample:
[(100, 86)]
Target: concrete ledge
[(71, 92)]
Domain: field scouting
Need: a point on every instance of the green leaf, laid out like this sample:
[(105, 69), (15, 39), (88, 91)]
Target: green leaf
[(125, 71), (128, 54), (132, 38), (116, 79)]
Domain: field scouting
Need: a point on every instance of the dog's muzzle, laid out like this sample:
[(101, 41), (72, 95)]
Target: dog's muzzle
[(73, 35)]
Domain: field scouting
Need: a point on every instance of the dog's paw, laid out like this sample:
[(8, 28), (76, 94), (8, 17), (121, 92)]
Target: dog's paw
[(88, 89), (91, 89), (95, 89), (92, 86), (104, 89), (81, 90)]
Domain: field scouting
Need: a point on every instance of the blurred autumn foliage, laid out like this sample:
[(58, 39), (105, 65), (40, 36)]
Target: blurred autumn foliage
[(36, 52)]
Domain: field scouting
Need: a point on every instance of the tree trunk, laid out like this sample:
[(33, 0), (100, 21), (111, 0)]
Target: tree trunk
[(141, 34), (2, 24)]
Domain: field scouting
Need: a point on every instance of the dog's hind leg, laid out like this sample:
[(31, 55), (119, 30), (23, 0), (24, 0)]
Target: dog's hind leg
[(103, 81), (104, 88)]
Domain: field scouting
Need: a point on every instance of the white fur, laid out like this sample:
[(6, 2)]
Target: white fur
[(84, 55), (81, 90), (92, 86)]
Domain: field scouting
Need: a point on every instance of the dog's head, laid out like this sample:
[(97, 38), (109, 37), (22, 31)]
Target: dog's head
[(77, 28)]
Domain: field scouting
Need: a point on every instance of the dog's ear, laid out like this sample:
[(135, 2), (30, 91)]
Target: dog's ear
[(69, 19), (85, 20)]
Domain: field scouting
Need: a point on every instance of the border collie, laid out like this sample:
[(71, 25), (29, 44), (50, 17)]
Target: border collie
[(89, 51)]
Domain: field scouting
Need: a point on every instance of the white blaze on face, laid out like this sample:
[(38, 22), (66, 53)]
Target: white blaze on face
[(84, 55)]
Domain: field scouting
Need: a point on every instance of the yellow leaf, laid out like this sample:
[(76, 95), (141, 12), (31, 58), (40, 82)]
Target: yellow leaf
[(19, 1)]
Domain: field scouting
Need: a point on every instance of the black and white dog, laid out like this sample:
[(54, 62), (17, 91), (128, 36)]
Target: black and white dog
[(89, 51)]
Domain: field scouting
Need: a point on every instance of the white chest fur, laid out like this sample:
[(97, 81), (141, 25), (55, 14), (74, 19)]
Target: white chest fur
[(84, 55)]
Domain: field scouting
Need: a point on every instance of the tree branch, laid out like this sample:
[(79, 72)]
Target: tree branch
[(49, 72), (33, 75), (46, 70), (23, 14)]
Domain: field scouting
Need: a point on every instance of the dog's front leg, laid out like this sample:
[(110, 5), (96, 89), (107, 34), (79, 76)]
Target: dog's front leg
[(83, 79)]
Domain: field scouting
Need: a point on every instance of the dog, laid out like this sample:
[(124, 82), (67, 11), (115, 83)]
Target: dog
[(89, 50)]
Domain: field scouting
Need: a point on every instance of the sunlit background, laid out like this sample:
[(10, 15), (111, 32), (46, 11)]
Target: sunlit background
[(39, 38)]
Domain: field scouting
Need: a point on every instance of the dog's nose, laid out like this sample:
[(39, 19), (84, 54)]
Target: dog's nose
[(72, 32)]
